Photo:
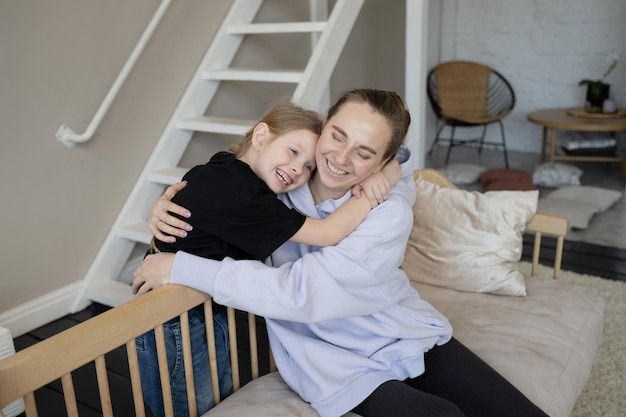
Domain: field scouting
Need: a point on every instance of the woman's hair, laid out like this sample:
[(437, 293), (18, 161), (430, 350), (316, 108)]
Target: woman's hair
[(386, 103), (280, 119)]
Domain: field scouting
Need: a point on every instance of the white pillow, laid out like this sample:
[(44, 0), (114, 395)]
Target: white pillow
[(552, 175), (600, 198), (468, 241), (579, 203), (578, 213), (462, 174)]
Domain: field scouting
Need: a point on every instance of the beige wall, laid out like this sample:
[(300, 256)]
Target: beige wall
[(58, 60)]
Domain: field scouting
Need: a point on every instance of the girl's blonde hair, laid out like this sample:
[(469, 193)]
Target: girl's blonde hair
[(280, 119)]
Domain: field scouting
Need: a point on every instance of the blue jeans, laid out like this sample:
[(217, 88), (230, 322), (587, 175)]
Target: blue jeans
[(149, 367)]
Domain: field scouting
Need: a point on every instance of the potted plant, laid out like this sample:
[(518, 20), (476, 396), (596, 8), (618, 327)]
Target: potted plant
[(598, 90)]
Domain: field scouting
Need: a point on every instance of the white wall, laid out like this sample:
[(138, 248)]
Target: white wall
[(543, 47)]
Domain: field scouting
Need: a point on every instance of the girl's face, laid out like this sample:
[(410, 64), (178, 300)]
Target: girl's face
[(285, 161), (350, 149)]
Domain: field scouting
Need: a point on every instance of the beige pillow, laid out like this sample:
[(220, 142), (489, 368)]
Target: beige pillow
[(468, 241)]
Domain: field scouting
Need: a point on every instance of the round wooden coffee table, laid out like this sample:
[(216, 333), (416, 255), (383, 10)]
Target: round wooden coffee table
[(577, 120)]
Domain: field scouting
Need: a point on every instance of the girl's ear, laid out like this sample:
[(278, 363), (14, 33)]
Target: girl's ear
[(259, 134)]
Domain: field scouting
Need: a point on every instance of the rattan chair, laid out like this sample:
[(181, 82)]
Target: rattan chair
[(467, 94)]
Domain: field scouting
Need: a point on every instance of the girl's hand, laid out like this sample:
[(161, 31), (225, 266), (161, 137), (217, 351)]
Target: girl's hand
[(163, 224), (153, 272), (376, 187)]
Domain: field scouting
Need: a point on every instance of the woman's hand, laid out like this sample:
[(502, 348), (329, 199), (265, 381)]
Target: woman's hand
[(153, 272), (163, 225)]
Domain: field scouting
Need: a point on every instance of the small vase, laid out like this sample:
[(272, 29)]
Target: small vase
[(609, 106), (597, 92)]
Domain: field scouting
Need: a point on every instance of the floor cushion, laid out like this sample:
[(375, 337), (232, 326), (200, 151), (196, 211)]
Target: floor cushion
[(555, 174), (507, 179), (579, 203)]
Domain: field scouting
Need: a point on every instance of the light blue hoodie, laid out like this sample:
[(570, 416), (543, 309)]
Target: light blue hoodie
[(342, 319)]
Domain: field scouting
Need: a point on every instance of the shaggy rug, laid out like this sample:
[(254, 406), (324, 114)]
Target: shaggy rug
[(604, 395)]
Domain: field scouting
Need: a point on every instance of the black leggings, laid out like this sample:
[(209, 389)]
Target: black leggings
[(456, 383)]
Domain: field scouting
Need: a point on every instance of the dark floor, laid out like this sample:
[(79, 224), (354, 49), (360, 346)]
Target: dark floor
[(580, 257)]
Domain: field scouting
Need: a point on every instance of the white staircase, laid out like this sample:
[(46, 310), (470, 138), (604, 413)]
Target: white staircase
[(102, 284)]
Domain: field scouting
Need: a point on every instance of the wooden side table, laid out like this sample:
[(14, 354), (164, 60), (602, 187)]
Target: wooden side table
[(572, 119)]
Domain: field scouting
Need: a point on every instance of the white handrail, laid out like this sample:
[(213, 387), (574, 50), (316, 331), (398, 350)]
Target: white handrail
[(70, 138)]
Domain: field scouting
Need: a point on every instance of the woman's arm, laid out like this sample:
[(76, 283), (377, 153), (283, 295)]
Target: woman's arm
[(359, 276)]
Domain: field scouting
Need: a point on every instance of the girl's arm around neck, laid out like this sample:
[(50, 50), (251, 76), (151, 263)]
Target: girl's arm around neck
[(343, 221), (335, 227)]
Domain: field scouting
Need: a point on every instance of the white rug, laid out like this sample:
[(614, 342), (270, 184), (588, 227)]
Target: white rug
[(605, 392)]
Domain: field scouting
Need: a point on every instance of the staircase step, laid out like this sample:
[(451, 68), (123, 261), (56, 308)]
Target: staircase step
[(137, 232), (282, 76), (167, 176), (110, 293), (225, 125), (288, 27)]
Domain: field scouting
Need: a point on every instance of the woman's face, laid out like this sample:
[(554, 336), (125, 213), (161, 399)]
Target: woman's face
[(350, 149)]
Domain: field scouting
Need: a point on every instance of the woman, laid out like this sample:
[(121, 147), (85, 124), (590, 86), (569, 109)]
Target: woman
[(237, 215), (347, 330)]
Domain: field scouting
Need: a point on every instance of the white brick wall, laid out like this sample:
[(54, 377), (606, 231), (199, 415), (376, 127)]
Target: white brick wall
[(544, 48)]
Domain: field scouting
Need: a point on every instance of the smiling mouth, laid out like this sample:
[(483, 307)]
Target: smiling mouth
[(283, 177), (334, 169)]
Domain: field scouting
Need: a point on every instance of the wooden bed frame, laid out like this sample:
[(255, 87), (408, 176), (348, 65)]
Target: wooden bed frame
[(55, 358)]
